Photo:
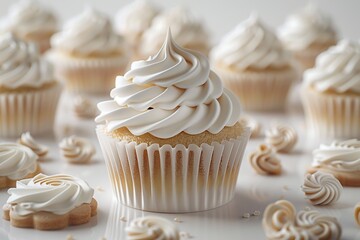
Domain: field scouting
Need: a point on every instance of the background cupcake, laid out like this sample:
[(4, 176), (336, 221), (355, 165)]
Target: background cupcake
[(88, 54), (188, 31), (29, 92), (253, 64), (170, 136), (331, 92), (307, 34), (31, 22)]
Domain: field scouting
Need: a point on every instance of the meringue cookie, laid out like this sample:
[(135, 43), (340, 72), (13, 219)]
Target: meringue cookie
[(264, 161), (322, 188), (281, 138), (255, 126), (84, 108), (27, 140), (152, 228), (76, 149)]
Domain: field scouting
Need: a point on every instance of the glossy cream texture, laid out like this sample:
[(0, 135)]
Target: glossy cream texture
[(251, 45), (21, 64), (174, 91), (76, 149), (16, 161), (337, 69), (307, 27), (27, 140), (58, 194)]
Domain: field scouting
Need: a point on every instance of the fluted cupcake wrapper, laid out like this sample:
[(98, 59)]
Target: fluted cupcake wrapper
[(32, 111), (259, 91), (173, 179), (331, 115)]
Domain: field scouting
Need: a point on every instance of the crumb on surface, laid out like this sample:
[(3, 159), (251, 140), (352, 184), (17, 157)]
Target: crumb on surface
[(246, 215)]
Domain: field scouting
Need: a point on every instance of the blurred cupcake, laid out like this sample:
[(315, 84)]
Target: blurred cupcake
[(29, 92), (31, 22), (88, 54), (133, 20), (187, 31), (331, 92), (253, 64), (307, 34), (170, 136)]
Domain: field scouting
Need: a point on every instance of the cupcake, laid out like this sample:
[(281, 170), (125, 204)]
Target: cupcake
[(31, 22), (170, 135), (331, 92), (253, 64), (88, 54), (133, 20), (308, 33), (29, 92), (187, 31)]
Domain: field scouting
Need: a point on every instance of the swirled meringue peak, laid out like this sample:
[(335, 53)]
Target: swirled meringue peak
[(265, 161), (251, 45), (337, 69), (152, 228), (21, 64), (309, 26), (58, 194), (89, 33), (174, 91), (321, 188)]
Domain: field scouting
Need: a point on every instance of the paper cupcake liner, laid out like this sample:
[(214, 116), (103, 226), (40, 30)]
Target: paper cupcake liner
[(259, 91), (173, 179), (88, 75), (331, 116), (32, 111)]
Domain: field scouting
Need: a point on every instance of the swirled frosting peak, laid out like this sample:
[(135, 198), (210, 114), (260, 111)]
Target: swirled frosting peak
[(89, 33), (16, 161), (152, 228), (337, 69), (307, 27), (27, 140), (264, 160), (174, 91), (339, 156), (251, 45), (281, 138), (76, 149), (21, 64), (58, 194)]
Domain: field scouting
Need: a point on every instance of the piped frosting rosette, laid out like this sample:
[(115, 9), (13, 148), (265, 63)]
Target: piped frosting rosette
[(169, 98)]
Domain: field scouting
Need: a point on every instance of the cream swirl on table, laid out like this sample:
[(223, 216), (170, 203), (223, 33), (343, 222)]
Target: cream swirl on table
[(264, 161), (337, 69), (339, 156), (174, 91), (58, 194), (152, 228), (28, 17), (76, 149), (27, 140), (21, 64), (16, 161), (281, 138), (89, 33), (322, 188), (251, 45), (186, 29), (280, 221), (309, 26)]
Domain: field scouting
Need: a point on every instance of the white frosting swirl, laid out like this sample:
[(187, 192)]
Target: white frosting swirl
[(152, 228), (264, 160), (27, 140), (172, 92), (16, 161), (89, 33), (187, 31), (321, 188), (281, 222), (28, 17), (76, 149), (251, 45), (21, 64), (281, 138), (309, 26), (58, 194), (339, 156), (337, 69), (357, 213)]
